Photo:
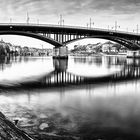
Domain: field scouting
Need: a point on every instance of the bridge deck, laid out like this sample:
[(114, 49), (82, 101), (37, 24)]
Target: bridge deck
[(42, 27)]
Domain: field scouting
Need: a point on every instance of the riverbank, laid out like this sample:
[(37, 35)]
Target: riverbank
[(9, 131), (99, 54)]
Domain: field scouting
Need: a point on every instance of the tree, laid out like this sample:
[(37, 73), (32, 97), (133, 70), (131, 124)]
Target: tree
[(2, 50)]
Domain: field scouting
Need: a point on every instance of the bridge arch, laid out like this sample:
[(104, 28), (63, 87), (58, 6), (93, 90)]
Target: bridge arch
[(33, 35), (128, 44)]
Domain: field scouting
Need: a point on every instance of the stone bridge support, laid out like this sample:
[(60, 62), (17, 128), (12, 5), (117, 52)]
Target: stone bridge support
[(60, 52)]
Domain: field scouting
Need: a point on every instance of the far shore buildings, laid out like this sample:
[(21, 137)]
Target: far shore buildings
[(107, 47), (16, 50), (10, 49)]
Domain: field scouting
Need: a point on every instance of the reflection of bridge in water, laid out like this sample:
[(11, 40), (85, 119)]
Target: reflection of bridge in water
[(60, 76)]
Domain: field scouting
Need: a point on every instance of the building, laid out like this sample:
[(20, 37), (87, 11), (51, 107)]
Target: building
[(107, 46), (25, 51)]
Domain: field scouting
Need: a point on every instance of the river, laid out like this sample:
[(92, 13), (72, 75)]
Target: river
[(82, 98)]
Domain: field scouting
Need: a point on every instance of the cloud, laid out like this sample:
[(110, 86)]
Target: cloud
[(44, 7), (72, 10)]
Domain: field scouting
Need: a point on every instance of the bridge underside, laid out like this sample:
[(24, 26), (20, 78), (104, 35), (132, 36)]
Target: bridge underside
[(60, 39), (126, 43), (33, 35)]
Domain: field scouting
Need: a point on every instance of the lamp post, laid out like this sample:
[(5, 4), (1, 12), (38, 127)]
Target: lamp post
[(28, 18), (90, 23), (127, 30), (61, 21), (137, 28), (108, 27), (10, 20), (116, 26), (133, 30)]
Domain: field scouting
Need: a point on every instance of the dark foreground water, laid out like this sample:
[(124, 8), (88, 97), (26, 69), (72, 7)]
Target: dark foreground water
[(84, 98)]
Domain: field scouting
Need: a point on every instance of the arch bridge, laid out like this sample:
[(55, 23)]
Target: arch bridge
[(60, 36)]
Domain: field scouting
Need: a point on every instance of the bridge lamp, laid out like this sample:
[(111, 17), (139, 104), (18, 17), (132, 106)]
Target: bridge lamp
[(63, 22), (10, 20), (93, 23), (127, 29), (28, 18), (137, 28), (108, 27)]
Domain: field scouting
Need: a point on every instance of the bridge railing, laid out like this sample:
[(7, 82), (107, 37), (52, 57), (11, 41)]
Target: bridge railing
[(70, 27)]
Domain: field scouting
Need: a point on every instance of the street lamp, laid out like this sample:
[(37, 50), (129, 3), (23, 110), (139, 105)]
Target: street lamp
[(10, 20), (127, 30), (137, 28), (61, 21), (90, 23), (108, 27), (116, 26), (133, 30), (28, 18)]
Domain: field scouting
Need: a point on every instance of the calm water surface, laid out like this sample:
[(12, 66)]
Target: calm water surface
[(82, 98)]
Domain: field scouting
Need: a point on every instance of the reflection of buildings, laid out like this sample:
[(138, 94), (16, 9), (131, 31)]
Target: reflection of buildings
[(101, 60), (4, 61), (117, 61), (88, 60), (60, 75), (8, 61)]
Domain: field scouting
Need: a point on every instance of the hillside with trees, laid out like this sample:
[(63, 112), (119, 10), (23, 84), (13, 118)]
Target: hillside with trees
[(107, 47)]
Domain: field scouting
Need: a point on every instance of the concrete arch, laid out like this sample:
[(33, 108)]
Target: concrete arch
[(128, 44), (33, 35)]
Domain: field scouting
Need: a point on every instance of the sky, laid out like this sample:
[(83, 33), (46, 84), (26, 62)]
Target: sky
[(103, 13)]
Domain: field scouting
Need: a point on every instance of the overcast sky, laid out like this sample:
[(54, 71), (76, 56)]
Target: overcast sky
[(104, 13)]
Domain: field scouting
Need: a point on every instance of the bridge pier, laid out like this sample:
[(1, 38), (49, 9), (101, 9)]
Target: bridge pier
[(60, 53), (133, 54), (60, 64)]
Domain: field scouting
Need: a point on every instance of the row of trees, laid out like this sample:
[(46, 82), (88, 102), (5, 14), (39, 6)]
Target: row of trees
[(7, 49), (4, 49)]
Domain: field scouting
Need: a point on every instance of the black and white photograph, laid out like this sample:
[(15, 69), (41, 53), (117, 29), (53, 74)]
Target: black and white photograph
[(69, 69)]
